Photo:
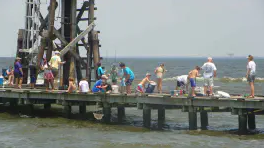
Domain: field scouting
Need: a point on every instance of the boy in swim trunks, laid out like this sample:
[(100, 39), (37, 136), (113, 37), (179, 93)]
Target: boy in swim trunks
[(192, 75), (141, 85), (129, 77)]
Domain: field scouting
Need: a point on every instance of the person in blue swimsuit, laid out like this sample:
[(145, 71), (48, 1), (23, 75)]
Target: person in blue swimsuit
[(128, 75)]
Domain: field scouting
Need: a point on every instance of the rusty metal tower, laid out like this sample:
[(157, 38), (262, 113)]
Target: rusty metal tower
[(39, 35)]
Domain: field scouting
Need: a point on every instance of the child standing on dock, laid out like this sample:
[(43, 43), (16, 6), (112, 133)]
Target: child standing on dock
[(192, 76), (141, 85), (48, 76)]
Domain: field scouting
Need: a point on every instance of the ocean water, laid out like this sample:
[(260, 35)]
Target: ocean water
[(20, 131)]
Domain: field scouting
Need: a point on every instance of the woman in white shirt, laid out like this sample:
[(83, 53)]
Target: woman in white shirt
[(251, 74)]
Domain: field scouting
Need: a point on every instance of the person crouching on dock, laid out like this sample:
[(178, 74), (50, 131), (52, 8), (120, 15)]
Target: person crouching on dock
[(192, 76), (141, 85)]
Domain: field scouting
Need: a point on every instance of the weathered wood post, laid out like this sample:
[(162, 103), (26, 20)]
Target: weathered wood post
[(251, 121), (242, 121), (82, 109), (192, 118), (107, 112), (120, 113), (47, 106), (139, 106), (146, 116), (161, 117), (67, 109), (204, 118)]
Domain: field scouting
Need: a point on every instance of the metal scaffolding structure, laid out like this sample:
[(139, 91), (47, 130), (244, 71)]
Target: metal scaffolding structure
[(40, 34)]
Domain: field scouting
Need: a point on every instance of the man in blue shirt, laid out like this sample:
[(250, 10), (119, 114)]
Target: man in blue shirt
[(129, 77), (97, 86)]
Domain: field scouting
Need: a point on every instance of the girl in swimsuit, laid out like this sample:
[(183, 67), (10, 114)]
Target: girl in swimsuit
[(72, 86), (159, 71)]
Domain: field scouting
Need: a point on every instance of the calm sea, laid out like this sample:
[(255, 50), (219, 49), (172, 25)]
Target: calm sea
[(18, 131)]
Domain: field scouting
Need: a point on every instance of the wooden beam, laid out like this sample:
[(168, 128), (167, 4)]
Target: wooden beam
[(77, 39)]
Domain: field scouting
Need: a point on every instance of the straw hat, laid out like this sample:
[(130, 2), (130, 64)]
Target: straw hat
[(18, 58), (104, 77), (57, 52)]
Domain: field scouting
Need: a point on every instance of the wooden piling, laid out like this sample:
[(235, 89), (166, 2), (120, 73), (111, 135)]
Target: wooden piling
[(120, 113), (82, 108), (146, 116), (107, 112), (139, 106), (67, 111), (251, 121), (161, 118), (242, 121), (204, 118), (192, 118), (47, 106)]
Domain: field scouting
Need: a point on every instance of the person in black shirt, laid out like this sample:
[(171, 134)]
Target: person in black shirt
[(106, 87), (33, 76)]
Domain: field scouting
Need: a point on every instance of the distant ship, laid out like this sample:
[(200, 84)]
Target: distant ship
[(231, 55)]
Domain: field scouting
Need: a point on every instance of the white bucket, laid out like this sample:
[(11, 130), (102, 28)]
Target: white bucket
[(115, 89)]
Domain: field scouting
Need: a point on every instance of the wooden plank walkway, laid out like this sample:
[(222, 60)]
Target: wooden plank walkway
[(39, 95)]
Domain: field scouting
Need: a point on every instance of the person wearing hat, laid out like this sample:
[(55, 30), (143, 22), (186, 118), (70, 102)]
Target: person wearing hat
[(18, 73), (128, 75), (250, 75), (209, 75), (141, 86), (98, 84), (54, 62)]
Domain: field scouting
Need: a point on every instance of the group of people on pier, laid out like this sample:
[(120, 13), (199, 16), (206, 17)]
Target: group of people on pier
[(127, 77)]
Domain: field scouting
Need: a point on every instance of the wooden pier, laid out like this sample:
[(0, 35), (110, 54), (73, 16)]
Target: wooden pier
[(237, 105)]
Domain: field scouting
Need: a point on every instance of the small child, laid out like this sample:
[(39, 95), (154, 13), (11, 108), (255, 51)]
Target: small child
[(192, 75), (48, 76), (83, 86), (72, 86), (141, 85)]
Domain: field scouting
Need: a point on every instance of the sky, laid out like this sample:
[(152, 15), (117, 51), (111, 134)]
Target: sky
[(155, 28)]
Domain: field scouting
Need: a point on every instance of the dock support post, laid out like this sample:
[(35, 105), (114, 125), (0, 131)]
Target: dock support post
[(251, 121), (161, 117), (107, 112), (192, 118), (82, 109), (242, 121), (47, 106), (120, 113), (204, 118), (30, 109), (139, 106), (67, 111), (146, 116)]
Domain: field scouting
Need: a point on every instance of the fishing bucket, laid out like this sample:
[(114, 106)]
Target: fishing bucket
[(151, 87), (115, 89)]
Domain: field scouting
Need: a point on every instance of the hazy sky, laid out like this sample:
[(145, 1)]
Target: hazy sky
[(162, 28)]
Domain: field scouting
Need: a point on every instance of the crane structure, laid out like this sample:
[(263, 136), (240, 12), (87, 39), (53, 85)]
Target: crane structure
[(40, 37)]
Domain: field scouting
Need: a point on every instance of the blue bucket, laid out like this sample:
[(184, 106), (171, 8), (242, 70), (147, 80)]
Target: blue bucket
[(1, 80)]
